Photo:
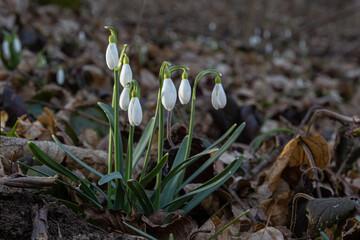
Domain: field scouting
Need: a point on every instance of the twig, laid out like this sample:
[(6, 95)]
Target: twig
[(49, 105), (264, 163), (272, 208), (22, 181)]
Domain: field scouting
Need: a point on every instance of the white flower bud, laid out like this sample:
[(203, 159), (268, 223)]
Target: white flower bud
[(124, 98), (17, 45), (168, 94), (125, 75), (218, 97), (6, 49), (60, 76), (184, 91), (135, 112), (112, 56)]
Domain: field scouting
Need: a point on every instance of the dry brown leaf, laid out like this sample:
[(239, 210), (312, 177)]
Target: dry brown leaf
[(3, 119), (293, 154), (180, 226), (31, 130), (319, 151), (48, 120), (268, 233), (280, 212)]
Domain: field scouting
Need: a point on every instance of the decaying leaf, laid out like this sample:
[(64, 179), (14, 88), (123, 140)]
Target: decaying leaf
[(325, 213), (319, 151), (180, 226), (293, 154), (3, 119), (268, 233)]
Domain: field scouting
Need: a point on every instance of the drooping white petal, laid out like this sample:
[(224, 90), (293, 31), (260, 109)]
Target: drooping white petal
[(17, 45), (135, 112), (112, 56), (60, 76), (168, 94), (6, 49), (184, 91), (125, 98), (218, 97), (125, 75)]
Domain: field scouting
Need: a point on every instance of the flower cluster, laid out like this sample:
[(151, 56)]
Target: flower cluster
[(130, 95), (168, 92)]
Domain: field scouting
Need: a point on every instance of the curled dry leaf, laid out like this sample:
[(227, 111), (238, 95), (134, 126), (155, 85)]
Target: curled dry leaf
[(293, 154)]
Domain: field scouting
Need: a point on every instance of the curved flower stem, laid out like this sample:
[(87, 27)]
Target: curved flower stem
[(160, 110), (192, 112), (192, 116), (160, 115)]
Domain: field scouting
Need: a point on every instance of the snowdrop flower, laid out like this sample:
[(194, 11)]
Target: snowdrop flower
[(218, 97), (60, 76), (6, 49), (184, 89), (135, 111), (17, 45), (125, 98), (112, 56), (168, 92), (126, 73)]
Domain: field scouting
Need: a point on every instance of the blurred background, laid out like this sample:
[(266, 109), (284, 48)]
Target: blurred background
[(278, 58)]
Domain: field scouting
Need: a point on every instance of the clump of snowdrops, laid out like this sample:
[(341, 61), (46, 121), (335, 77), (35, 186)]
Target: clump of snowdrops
[(123, 190)]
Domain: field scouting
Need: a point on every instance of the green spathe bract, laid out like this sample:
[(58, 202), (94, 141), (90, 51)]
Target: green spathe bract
[(123, 191)]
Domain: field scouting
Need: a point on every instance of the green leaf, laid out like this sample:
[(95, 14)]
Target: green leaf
[(145, 137), (80, 122), (43, 158), (139, 231), (206, 188), (150, 176), (171, 181), (185, 164), (109, 112), (11, 133), (220, 179), (226, 145), (261, 138), (75, 158), (189, 195), (95, 202), (139, 192), (109, 177)]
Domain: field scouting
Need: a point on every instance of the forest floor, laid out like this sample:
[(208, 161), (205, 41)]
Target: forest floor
[(291, 73)]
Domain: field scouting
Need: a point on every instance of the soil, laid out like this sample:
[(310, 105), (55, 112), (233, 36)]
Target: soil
[(16, 221)]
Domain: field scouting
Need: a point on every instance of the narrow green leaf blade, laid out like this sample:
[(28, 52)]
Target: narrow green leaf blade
[(226, 145), (145, 137), (139, 231), (215, 182), (150, 176), (75, 158), (109, 177), (139, 192), (109, 112)]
